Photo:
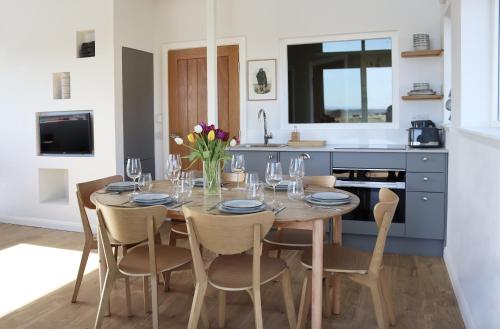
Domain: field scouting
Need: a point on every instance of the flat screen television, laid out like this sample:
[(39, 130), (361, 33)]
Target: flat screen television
[(66, 133)]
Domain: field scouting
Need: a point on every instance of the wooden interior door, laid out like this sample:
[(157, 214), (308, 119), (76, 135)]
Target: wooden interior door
[(187, 92)]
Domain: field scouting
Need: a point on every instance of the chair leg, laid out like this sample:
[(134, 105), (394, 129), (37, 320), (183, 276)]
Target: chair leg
[(257, 306), (106, 292), (196, 307), (378, 304), (305, 301), (386, 293), (154, 300), (172, 241), (286, 284), (81, 270), (337, 283), (147, 296), (222, 308), (127, 288), (328, 295)]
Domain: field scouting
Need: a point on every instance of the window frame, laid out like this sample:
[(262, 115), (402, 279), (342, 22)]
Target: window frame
[(495, 84), (283, 81)]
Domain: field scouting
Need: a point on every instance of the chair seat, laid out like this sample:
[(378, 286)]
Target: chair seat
[(180, 228), (234, 272), (289, 237), (340, 259), (136, 261)]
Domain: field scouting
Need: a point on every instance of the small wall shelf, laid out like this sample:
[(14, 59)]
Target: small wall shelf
[(53, 185), (87, 39), (61, 85), (422, 97), (422, 53)]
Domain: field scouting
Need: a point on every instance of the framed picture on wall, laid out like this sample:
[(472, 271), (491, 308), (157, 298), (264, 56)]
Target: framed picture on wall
[(262, 80)]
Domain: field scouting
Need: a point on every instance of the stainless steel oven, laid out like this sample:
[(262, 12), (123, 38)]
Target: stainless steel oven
[(366, 183)]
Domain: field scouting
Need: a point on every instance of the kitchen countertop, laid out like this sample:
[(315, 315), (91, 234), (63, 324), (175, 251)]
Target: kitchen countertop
[(344, 148)]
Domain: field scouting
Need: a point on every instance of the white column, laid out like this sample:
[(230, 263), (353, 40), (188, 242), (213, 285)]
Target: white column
[(212, 108)]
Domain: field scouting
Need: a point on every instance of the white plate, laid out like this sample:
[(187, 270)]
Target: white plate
[(330, 196), (241, 210), (242, 204), (151, 197), (326, 203), (120, 186)]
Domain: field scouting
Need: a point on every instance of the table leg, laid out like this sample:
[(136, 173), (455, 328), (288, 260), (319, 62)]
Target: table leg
[(337, 278), (317, 274), (102, 269)]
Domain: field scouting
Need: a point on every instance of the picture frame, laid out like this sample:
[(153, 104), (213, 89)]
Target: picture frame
[(261, 80)]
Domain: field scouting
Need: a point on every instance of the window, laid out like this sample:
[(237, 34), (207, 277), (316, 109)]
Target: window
[(348, 81)]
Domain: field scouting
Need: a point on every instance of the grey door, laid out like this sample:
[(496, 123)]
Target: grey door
[(138, 107), (317, 165)]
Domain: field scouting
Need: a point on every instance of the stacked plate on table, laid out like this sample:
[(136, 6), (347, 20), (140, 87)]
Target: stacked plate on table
[(120, 187), (421, 41), (198, 182), (152, 199), (282, 186), (328, 199), (241, 206)]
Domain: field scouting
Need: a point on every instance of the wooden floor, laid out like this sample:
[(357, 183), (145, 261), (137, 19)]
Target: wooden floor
[(421, 288)]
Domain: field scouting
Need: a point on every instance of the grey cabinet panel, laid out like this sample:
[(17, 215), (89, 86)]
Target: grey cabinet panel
[(317, 165), (254, 161), (370, 228), (425, 215), (369, 160), (426, 162), (425, 182)]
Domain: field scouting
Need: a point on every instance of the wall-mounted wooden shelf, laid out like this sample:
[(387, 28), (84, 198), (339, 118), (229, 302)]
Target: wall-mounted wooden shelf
[(422, 53), (422, 97)]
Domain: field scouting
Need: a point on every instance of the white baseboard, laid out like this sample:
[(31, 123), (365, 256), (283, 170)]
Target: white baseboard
[(463, 305), (43, 222)]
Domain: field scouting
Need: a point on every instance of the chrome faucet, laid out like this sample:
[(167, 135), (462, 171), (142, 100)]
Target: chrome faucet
[(267, 136)]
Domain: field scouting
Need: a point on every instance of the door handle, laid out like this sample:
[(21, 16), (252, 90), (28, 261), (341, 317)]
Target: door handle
[(426, 179), (425, 158), (424, 198)]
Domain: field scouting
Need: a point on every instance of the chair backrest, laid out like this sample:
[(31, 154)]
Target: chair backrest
[(233, 177), (384, 213), (323, 181), (83, 192), (129, 225), (228, 235)]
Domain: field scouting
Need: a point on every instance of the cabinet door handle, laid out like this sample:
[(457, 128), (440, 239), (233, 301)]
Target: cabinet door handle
[(305, 156), (426, 179), (424, 198), (425, 158)]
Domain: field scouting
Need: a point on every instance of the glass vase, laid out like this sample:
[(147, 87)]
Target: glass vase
[(211, 177)]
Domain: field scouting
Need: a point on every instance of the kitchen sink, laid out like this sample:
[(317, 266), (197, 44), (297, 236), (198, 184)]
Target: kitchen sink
[(263, 145)]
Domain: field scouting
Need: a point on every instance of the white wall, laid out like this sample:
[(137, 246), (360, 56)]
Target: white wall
[(472, 251), (263, 23), (38, 38)]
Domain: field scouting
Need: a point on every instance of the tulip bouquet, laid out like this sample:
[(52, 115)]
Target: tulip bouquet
[(209, 144)]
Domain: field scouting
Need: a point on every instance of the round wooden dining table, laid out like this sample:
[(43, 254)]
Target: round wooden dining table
[(295, 214)]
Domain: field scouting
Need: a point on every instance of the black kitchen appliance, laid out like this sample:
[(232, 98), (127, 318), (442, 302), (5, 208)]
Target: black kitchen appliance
[(424, 133)]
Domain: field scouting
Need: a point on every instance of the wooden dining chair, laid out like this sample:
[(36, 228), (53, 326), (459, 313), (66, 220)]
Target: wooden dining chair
[(83, 192), (130, 226), (362, 267), (233, 270), (296, 238)]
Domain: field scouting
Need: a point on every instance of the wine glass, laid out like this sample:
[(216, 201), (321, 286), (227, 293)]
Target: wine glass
[(145, 182), (237, 166), (173, 168), (134, 170), (297, 168), (274, 175), (189, 177)]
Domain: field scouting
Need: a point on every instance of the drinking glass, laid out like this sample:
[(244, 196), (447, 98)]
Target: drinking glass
[(251, 178), (173, 168), (274, 175), (189, 176), (183, 190), (255, 191), (145, 182), (237, 166), (134, 170), (295, 189), (297, 168)]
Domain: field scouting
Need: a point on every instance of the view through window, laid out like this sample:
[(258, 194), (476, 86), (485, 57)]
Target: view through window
[(340, 82)]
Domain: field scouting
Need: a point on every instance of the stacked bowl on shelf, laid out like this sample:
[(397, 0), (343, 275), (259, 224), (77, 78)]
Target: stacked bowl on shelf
[(421, 88), (421, 41)]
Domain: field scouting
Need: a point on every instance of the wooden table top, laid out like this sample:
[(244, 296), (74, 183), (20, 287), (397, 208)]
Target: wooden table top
[(295, 211)]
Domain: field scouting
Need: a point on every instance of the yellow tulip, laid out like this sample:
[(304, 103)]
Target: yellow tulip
[(211, 135), (191, 138)]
